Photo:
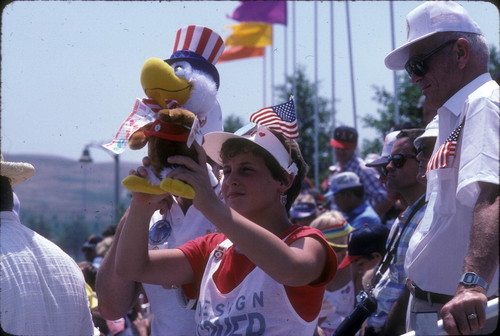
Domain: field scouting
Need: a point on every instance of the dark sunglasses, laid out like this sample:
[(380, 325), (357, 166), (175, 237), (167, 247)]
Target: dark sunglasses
[(416, 65), (426, 150), (399, 159)]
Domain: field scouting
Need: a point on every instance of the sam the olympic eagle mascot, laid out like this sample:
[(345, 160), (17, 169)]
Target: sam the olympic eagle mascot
[(182, 92)]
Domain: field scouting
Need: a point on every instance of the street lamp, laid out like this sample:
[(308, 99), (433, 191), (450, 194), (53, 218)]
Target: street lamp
[(86, 158)]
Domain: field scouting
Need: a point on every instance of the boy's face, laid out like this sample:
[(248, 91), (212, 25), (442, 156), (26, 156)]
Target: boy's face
[(364, 264)]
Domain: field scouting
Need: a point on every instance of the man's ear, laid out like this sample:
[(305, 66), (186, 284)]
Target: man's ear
[(461, 52), (377, 255)]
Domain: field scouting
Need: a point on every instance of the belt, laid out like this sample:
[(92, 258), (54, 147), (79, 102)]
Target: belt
[(428, 296)]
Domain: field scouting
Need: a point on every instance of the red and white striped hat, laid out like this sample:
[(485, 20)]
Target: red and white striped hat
[(200, 46)]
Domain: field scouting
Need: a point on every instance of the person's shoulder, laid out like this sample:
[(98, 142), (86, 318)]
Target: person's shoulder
[(369, 213), (52, 251), (298, 231), (207, 242)]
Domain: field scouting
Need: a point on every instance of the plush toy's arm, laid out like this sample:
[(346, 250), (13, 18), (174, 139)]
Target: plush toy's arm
[(138, 139)]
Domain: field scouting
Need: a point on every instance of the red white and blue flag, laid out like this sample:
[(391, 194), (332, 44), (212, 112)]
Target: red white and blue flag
[(281, 118), (444, 156)]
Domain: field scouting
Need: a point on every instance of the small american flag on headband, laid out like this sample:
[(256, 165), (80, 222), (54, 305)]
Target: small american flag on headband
[(444, 156), (281, 118)]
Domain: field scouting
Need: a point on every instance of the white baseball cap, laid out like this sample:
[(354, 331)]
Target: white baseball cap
[(343, 181), (389, 141), (431, 131), (258, 134), (426, 20)]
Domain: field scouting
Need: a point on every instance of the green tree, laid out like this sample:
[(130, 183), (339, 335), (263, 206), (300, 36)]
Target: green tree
[(304, 106), (383, 121), (494, 65), (232, 123)]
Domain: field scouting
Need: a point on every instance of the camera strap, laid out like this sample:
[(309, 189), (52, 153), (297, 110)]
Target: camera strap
[(394, 242)]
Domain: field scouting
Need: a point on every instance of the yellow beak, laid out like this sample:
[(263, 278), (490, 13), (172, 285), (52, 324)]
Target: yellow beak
[(159, 82)]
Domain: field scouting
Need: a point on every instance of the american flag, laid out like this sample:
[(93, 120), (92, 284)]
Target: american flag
[(281, 118), (444, 156)]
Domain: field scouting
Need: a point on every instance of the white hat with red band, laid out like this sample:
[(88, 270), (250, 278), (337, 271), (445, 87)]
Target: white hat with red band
[(258, 134)]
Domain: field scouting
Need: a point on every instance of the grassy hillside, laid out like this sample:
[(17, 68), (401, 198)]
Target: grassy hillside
[(64, 193)]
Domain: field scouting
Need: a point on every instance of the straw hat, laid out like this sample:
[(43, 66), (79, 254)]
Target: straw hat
[(16, 172)]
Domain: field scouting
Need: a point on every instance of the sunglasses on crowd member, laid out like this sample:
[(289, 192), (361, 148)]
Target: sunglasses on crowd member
[(399, 159), (425, 149), (417, 66)]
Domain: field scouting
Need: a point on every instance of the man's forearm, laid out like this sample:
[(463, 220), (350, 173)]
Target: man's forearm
[(482, 256)]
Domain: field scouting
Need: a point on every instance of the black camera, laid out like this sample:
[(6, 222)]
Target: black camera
[(366, 306)]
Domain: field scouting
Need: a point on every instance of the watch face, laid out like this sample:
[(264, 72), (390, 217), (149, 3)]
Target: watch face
[(469, 278)]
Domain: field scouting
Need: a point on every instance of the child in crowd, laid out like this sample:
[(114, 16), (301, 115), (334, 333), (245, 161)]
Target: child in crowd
[(261, 274), (365, 249), (304, 210)]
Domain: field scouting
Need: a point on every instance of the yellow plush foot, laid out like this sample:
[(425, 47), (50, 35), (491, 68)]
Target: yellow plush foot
[(140, 184), (178, 188)]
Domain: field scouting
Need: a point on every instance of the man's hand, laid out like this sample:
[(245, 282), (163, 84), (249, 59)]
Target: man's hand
[(465, 313)]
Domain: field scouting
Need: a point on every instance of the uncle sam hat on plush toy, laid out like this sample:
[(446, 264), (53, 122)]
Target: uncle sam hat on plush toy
[(199, 46)]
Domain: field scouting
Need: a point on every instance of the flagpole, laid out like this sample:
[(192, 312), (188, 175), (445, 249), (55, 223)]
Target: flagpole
[(316, 119), (286, 51), (332, 53), (272, 65), (394, 75), (264, 78), (353, 91), (294, 57)]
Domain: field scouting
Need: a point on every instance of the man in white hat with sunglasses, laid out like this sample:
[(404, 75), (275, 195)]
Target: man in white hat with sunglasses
[(42, 288), (452, 258)]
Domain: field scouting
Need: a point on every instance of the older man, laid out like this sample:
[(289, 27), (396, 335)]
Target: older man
[(42, 288), (452, 259)]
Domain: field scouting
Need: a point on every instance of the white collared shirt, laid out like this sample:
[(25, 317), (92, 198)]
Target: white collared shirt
[(437, 249), (42, 288)]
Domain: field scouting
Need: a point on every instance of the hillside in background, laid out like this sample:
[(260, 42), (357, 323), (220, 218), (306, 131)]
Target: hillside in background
[(64, 193)]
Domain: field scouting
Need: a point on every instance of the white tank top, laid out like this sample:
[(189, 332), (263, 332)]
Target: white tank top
[(257, 306)]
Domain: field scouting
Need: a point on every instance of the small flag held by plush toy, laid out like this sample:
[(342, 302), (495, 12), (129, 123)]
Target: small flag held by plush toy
[(141, 115), (195, 134), (281, 118)]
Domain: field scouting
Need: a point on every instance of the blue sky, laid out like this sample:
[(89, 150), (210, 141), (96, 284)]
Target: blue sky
[(70, 69)]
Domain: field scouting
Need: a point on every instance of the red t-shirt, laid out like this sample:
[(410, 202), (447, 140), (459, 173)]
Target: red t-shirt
[(235, 266)]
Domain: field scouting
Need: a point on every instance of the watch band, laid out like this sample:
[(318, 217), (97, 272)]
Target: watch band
[(471, 279)]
